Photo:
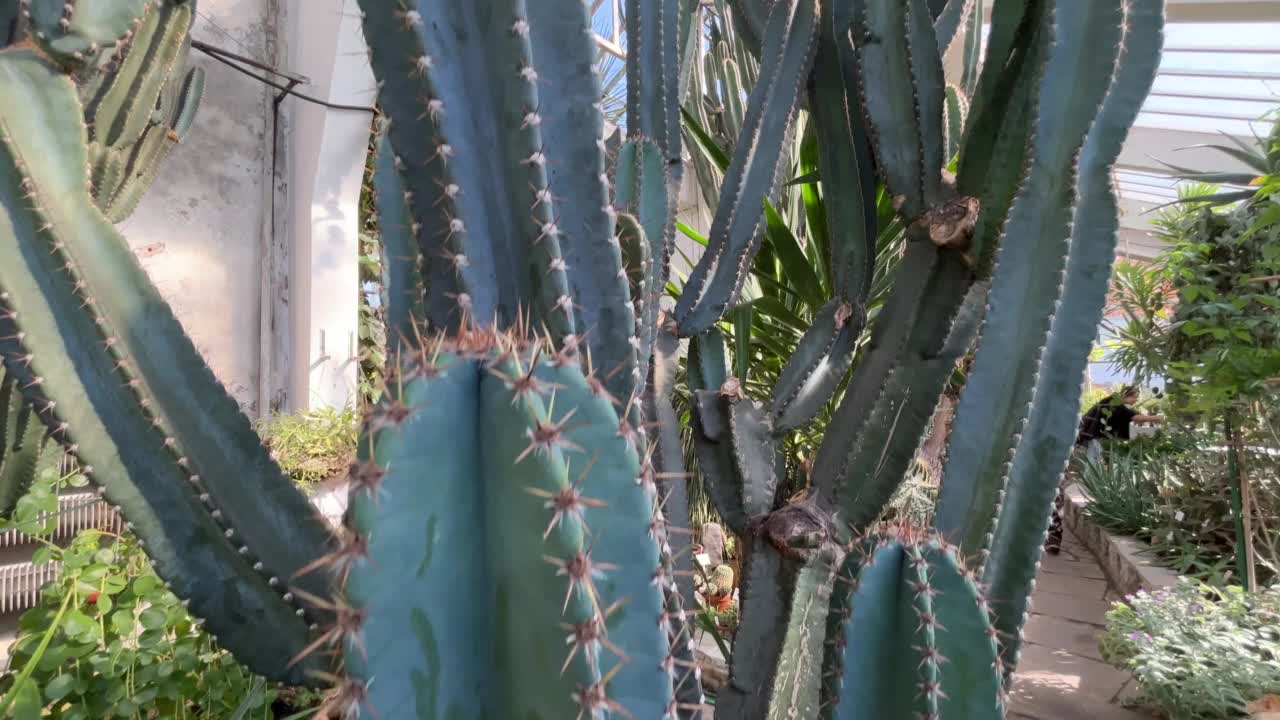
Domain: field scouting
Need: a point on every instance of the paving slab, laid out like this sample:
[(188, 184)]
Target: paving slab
[(1077, 638), (1071, 607), (1068, 584)]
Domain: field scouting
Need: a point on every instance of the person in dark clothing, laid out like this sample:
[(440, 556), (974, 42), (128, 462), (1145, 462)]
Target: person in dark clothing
[(1111, 418)]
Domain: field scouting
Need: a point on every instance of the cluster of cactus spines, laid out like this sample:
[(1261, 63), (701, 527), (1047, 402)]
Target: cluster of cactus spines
[(141, 102), (113, 375), (557, 608), (910, 634), (787, 52)]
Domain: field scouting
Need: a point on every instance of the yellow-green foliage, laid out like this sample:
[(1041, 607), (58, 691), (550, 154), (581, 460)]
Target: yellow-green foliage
[(312, 446)]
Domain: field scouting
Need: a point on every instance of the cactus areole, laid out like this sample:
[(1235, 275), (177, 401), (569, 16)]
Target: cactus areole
[(517, 541)]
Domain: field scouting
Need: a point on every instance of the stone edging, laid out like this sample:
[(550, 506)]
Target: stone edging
[(1123, 558)]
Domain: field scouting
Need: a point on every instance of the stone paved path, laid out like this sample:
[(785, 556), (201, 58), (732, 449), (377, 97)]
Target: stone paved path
[(1061, 675)]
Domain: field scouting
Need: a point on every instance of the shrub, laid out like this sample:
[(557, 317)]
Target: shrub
[(108, 640), (313, 446), (1198, 653)]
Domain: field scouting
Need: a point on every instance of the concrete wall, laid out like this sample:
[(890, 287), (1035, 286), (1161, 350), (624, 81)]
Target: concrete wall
[(199, 230), (251, 231)]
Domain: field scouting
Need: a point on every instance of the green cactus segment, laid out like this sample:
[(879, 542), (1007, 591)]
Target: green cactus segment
[(653, 71), (1003, 173), (776, 655), (1027, 283), (972, 58), (755, 455), (72, 30), (818, 365), (426, 607), (845, 164), (947, 22), (80, 394), (402, 289), (520, 460), (641, 189), (708, 361), (714, 449), (1038, 462), (905, 602), (926, 324), (668, 458), (543, 572), (139, 105), (897, 49), (460, 84), (143, 65), (207, 435), (788, 51), (22, 441), (1012, 61), (636, 256), (624, 533), (572, 135), (750, 18), (954, 114)]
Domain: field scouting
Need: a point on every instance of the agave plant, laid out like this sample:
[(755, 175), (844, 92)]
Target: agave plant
[(512, 547)]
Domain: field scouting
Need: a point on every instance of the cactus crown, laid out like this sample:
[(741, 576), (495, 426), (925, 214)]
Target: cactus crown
[(512, 546)]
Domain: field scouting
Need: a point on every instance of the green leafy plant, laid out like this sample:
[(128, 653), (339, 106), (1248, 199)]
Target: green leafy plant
[(312, 446), (508, 492), (1198, 653), (109, 640), (1122, 493)]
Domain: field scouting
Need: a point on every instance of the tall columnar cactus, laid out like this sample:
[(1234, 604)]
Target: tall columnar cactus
[(513, 547), (1014, 249)]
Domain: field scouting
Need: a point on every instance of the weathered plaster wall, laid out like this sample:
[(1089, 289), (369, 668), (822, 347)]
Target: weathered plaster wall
[(199, 230)]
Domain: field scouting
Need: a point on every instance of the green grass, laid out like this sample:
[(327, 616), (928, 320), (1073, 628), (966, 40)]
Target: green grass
[(313, 446)]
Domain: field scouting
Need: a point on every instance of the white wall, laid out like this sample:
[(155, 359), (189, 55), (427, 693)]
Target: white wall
[(327, 149), (199, 229), (263, 273)]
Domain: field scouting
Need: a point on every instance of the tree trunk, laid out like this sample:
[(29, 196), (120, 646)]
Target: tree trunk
[(1241, 505)]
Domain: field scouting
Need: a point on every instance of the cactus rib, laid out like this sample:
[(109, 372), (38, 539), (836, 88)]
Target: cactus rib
[(401, 258)]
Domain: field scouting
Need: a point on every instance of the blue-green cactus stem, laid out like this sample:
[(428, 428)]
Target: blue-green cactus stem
[(402, 260), (925, 325), (654, 30), (1047, 436), (72, 272), (954, 114), (462, 86), (495, 483), (898, 50), (667, 459), (948, 16), (640, 188), (912, 635), (1011, 49), (1028, 278), (785, 591), (573, 135), (73, 31), (787, 55)]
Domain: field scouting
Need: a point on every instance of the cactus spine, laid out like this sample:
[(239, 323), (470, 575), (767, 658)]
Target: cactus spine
[(513, 546)]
